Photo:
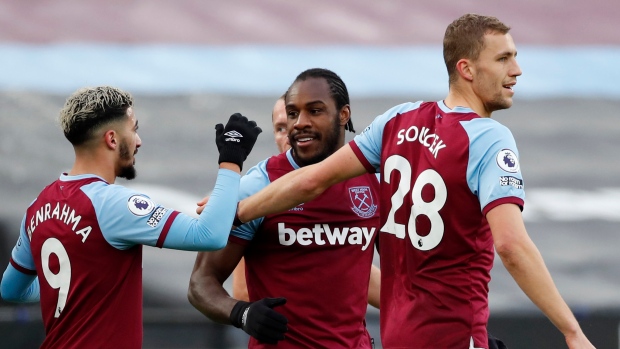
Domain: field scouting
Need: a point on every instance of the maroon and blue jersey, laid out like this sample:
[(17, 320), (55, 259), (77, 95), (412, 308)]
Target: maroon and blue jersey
[(441, 171), (82, 238), (317, 255)]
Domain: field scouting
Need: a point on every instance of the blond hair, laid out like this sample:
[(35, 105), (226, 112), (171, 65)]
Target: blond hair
[(89, 108)]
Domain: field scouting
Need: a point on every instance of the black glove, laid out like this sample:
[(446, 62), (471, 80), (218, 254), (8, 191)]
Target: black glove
[(259, 320), (236, 140), (496, 343)]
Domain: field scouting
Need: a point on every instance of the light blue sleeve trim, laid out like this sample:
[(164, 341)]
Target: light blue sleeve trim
[(21, 253), (18, 287), (211, 229), (370, 140), (254, 180), (485, 178)]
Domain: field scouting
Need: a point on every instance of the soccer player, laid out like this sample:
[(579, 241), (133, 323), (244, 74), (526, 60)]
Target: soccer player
[(280, 135), (451, 191), (316, 257), (79, 249)]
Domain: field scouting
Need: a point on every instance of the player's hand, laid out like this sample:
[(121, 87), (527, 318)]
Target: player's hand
[(236, 139), (259, 320), (202, 204)]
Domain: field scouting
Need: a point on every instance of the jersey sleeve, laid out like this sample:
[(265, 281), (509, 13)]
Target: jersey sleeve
[(493, 172), (367, 145), (19, 283), (128, 218), (21, 256), (210, 231), (255, 179), (19, 287)]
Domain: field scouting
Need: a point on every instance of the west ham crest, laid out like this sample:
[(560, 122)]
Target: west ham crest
[(363, 203)]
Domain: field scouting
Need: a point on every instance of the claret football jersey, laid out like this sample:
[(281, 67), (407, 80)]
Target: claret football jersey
[(441, 171), (318, 255), (81, 237)]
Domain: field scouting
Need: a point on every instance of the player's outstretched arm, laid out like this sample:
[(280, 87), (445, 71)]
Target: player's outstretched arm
[(17, 287), (301, 185), (524, 262), (207, 294), (210, 231), (19, 282)]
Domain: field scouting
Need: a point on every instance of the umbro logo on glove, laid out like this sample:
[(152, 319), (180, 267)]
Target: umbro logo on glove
[(233, 136), (233, 133), (236, 139)]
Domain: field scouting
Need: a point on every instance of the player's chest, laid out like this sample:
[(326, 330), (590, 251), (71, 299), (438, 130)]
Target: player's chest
[(345, 216)]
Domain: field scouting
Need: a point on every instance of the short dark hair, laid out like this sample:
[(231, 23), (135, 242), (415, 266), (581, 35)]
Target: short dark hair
[(464, 38), (337, 88)]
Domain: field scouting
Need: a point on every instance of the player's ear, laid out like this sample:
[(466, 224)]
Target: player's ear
[(111, 139), (345, 115), (465, 69)]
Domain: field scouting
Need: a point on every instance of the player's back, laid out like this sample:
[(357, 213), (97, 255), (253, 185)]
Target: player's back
[(435, 244), (91, 292)]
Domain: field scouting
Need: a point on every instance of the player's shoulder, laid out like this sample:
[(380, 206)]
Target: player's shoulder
[(103, 188), (486, 125), (257, 176), (486, 133), (102, 194), (113, 199), (44, 192), (404, 108), (258, 170), (280, 159), (379, 123)]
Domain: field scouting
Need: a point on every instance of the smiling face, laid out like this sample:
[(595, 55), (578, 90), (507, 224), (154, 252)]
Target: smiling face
[(495, 71), (315, 126)]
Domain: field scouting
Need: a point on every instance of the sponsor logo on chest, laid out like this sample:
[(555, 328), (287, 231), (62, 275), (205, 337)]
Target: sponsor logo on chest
[(324, 234)]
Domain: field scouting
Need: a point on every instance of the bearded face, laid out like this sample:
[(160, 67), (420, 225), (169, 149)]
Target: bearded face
[(127, 169), (325, 143)]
